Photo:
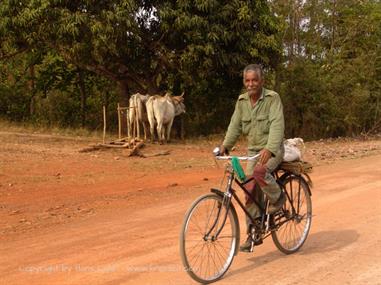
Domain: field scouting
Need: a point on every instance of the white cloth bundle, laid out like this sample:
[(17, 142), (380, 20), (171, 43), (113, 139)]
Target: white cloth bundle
[(293, 149)]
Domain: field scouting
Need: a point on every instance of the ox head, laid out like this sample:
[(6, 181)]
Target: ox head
[(178, 102), (178, 98), (144, 98)]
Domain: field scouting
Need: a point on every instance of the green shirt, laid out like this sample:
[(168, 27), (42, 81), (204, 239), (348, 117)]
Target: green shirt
[(263, 124)]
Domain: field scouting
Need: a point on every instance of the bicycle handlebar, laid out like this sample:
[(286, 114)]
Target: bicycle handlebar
[(216, 152), (229, 157)]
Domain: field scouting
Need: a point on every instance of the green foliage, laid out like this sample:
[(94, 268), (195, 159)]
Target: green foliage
[(330, 77), (210, 43), (199, 47), (61, 60), (51, 95), (219, 37), (13, 103)]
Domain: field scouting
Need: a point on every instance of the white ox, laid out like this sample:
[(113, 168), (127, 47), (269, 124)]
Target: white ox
[(137, 115), (161, 110)]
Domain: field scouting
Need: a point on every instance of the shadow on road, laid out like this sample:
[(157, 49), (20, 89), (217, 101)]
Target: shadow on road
[(327, 241), (321, 242)]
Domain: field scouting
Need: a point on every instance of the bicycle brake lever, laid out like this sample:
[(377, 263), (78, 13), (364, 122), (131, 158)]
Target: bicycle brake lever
[(216, 151)]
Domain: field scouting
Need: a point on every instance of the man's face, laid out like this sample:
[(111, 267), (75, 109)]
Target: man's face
[(253, 83)]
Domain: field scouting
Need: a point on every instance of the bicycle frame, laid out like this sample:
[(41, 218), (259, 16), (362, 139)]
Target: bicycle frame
[(231, 193), (227, 197), (210, 237)]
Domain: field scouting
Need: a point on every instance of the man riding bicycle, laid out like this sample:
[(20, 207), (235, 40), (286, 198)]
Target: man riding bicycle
[(258, 115)]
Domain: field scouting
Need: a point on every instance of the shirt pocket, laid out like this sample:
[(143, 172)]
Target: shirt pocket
[(246, 125), (263, 124)]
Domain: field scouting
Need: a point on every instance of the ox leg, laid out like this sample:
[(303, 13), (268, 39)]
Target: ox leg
[(169, 127), (129, 130), (151, 121), (160, 133), (129, 124), (152, 131), (145, 130)]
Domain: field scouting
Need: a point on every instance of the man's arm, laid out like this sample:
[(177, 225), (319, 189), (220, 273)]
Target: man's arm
[(276, 119)]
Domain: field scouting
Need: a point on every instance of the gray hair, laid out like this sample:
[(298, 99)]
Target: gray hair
[(257, 68)]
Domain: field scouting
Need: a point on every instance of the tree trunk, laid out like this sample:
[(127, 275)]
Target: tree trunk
[(32, 91), (82, 89), (124, 92), (278, 79), (182, 129), (151, 86), (124, 96), (333, 26)]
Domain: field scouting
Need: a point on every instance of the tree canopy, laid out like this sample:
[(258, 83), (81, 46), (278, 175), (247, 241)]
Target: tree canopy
[(141, 43), (61, 60)]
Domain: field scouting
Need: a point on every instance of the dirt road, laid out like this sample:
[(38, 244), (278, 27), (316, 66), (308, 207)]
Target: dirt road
[(102, 218)]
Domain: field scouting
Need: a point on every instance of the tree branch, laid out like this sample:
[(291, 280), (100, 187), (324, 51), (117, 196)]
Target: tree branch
[(13, 54)]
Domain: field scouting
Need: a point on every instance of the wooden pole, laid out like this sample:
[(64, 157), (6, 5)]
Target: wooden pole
[(132, 124), (119, 124), (134, 134), (128, 125), (182, 130), (136, 118), (138, 126), (104, 124)]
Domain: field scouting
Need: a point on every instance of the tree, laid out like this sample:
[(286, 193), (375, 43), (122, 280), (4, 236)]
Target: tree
[(148, 46), (331, 66), (138, 43)]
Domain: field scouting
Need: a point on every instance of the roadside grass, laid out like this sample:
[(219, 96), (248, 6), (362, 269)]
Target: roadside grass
[(194, 152), (30, 128), (205, 142)]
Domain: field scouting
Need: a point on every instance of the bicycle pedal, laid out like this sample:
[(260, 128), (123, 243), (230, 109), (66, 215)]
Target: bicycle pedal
[(258, 241), (251, 246)]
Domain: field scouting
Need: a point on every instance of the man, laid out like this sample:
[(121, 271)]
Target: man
[(258, 114)]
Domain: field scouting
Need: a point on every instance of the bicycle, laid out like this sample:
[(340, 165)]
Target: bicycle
[(210, 234)]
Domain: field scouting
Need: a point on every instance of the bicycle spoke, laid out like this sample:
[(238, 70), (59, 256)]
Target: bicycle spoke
[(221, 259), (224, 248), (208, 214), (213, 259), (195, 260), (208, 257), (195, 246), (198, 227), (198, 254), (292, 231), (219, 255), (222, 237)]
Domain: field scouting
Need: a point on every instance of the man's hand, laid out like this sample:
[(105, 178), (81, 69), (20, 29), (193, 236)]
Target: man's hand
[(223, 150), (265, 156)]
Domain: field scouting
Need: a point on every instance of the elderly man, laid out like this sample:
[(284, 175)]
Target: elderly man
[(258, 115)]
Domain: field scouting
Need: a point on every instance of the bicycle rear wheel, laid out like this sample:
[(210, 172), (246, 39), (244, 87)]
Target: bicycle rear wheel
[(294, 221), (206, 258)]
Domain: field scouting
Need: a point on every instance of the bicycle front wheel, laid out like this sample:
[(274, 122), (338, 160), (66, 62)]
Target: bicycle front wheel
[(208, 241), (294, 221)]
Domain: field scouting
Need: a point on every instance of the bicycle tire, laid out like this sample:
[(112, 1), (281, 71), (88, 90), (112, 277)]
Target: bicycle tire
[(204, 259), (292, 225)]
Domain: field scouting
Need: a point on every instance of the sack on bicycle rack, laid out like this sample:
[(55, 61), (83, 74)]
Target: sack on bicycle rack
[(296, 167), (293, 149)]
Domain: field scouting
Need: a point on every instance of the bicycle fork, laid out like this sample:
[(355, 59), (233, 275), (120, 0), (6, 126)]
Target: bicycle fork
[(217, 226)]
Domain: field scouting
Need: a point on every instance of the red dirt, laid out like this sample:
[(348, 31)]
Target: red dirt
[(104, 218)]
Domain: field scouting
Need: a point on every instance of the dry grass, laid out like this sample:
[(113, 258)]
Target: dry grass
[(29, 128)]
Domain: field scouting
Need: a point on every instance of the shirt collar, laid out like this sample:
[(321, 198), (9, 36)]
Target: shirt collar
[(246, 96)]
